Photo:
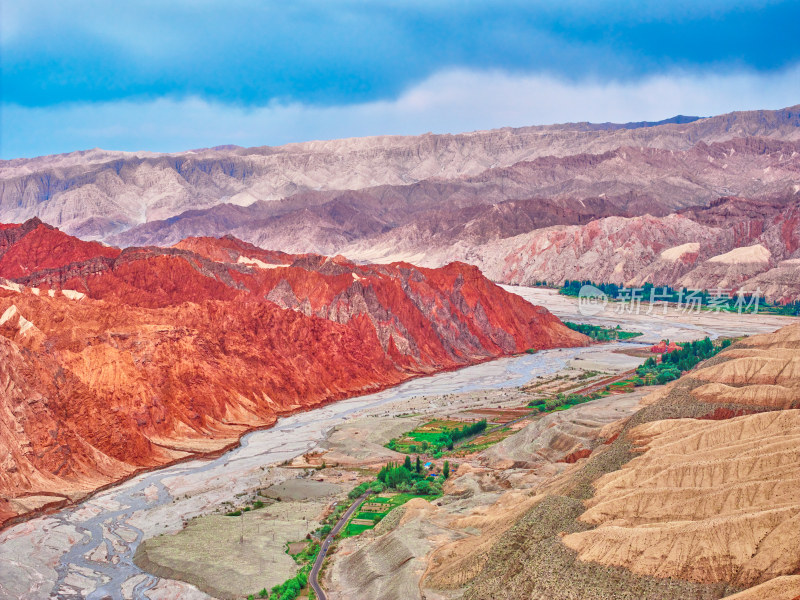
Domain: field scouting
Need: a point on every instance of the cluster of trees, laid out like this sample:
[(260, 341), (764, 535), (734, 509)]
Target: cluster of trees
[(288, 590), (665, 293), (376, 487), (671, 367), (678, 361), (449, 437), (573, 288), (307, 554), (602, 334), (660, 293), (407, 477), (791, 308), (562, 399)]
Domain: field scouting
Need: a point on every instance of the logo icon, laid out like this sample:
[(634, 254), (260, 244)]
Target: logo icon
[(591, 301)]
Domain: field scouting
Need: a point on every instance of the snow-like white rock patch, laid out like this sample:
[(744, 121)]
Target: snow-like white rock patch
[(73, 295), (24, 325), (10, 285), (746, 254), (676, 252), (254, 262), (11, 311)]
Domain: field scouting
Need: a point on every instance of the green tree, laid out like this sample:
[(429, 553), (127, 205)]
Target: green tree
[(407, 463), (446, 469), (418, 466)]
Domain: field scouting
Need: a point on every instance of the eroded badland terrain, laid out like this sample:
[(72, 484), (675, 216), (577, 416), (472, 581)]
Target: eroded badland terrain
[(208, 358)]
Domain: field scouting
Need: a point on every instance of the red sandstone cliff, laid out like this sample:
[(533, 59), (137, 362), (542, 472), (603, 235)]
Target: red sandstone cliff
[(113, 361)]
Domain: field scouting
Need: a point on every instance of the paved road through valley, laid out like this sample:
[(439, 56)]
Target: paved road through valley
[(313, 578)]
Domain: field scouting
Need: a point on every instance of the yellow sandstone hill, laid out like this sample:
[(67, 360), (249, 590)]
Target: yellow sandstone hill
[(699, 497)]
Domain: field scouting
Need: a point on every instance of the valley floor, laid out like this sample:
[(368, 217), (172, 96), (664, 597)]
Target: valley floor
[(88, 550)]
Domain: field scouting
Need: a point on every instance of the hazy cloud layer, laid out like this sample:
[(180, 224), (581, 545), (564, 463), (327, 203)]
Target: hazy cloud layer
[(252, 52), (451, 101)]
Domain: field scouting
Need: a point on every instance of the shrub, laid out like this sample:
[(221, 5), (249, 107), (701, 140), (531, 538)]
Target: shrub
[(422, 488), (552, 403)]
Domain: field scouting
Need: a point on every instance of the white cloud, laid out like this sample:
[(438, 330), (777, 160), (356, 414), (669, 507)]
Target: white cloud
[(451, 101)]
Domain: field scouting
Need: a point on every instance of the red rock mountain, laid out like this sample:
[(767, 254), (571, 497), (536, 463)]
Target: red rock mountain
[(112, 361)]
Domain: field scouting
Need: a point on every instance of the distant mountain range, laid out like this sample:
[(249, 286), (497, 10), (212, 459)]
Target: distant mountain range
[(524, 204)]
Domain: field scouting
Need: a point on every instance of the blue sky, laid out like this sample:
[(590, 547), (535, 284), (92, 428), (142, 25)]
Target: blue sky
[(168, 76)]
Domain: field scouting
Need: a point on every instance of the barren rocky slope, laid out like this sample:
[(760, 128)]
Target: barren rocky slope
[(733, 244), (697, 497), (118, 360), (626, 181), (489, 198)]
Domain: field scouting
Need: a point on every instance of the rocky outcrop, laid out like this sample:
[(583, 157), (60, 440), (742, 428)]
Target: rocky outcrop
[(431, 215), (115, 361)]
